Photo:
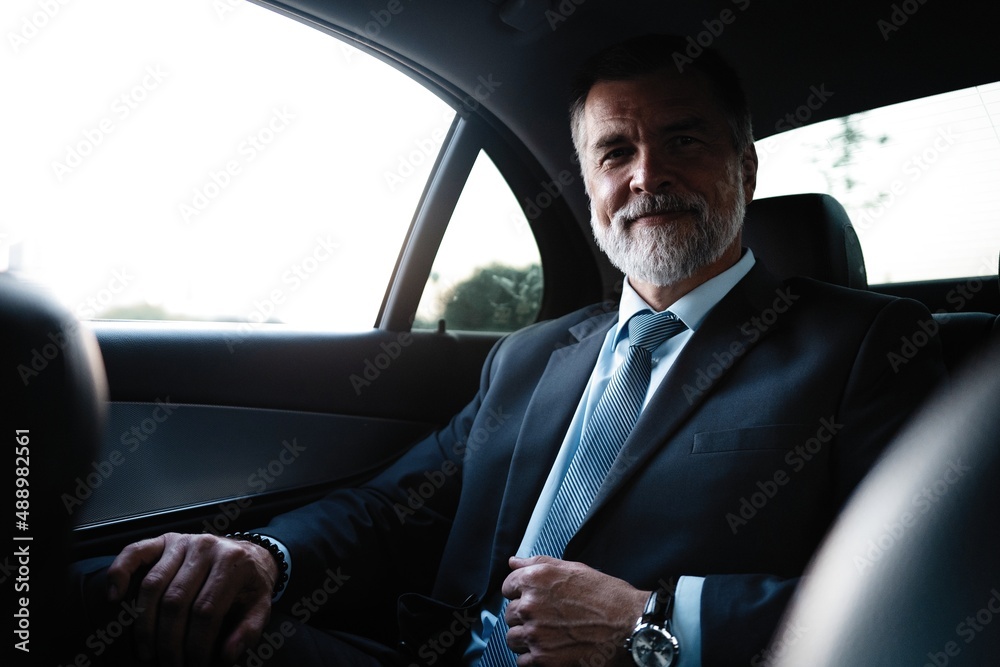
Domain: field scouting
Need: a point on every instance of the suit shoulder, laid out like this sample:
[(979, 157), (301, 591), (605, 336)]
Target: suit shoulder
[(548, 335), (821, 294), (598, 314)]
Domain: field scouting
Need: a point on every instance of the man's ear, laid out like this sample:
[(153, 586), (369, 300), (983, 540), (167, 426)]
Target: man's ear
[(749, 164)]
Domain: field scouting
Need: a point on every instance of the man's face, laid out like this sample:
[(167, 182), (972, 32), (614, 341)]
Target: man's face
[(667, 187)]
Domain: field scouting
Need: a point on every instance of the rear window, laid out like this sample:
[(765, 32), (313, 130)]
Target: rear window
[(217, 161), (918, 179)]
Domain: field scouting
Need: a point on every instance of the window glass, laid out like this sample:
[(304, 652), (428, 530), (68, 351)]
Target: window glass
[(206, 161), (918, 179), (487, 275)]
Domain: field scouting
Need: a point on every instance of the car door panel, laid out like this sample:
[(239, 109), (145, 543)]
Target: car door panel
[(203, 434)]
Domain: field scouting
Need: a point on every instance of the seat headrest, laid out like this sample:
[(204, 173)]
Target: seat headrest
[(54, 393), (805, 235)]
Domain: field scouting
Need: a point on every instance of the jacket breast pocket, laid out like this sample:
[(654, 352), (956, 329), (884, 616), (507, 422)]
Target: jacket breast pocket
[(771, 436)]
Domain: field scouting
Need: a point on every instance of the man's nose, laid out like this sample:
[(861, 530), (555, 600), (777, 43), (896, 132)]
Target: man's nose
[(652, 173)]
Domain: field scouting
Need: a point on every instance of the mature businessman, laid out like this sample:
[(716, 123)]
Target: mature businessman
[(542, 533)]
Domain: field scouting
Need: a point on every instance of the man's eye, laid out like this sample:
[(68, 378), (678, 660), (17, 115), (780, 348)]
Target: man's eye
[(614, 154), (683, 141)]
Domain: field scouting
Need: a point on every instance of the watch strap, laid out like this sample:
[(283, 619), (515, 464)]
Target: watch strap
[(660, 607)]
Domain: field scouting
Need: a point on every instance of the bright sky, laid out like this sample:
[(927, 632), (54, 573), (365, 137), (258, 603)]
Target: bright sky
[(216, 159), (212, 163), (937, 173)]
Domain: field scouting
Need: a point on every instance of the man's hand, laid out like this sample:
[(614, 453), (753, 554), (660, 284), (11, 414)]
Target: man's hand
[(194, 585), (563, 613)]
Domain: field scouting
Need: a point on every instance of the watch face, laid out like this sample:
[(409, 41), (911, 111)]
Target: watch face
[(653, 647)]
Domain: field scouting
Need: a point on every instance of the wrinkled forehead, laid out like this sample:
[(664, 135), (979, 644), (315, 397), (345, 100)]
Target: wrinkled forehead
[(658, 99)]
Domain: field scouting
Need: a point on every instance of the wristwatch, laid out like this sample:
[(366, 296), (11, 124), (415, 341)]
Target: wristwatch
[(652, 644)]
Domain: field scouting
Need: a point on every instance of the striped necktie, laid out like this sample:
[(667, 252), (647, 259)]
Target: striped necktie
[(602, 439)]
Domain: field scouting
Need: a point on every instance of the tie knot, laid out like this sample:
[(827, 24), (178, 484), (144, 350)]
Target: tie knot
[(648, 330)]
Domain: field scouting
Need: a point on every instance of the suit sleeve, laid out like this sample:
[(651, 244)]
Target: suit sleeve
[(897, 365), (355, 549)]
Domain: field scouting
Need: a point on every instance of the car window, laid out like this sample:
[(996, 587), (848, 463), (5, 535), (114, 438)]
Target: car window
[(237, 166), (487, 274), (918, 180)]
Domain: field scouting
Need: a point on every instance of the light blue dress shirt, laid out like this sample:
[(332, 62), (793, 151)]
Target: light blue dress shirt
[(692, 308)]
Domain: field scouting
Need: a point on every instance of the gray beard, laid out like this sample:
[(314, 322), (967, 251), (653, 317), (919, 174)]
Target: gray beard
[(667, 254)]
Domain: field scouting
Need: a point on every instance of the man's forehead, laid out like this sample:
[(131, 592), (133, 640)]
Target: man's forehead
[(661, 88), (658, 99)]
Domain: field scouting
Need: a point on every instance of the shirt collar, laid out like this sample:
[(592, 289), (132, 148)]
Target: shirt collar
[(693, 307)]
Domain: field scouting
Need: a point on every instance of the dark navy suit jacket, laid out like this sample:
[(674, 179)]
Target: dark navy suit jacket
[(774, 410)]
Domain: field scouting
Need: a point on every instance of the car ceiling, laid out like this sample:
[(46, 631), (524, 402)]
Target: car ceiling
[(782, 49)]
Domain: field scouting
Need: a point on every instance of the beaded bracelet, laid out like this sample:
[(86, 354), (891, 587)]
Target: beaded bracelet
[(279, 557)]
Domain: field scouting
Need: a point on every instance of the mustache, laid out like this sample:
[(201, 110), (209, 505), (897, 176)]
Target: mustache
[(653, 204)]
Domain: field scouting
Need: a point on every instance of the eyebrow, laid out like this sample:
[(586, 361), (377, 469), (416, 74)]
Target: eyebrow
[(682, 125)]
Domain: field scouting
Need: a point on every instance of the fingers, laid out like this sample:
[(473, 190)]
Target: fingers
[(194, 584), (235, 581), (561, 611), (183, 601), (517, 563), (151, 592), (128, 562), (523, 573)]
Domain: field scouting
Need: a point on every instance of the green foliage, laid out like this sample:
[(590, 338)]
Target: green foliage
[(494, 298), (850, 143)]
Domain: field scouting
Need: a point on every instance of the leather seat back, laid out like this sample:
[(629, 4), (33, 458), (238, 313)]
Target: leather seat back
[(805, 235), (53, 400), (910, 573)]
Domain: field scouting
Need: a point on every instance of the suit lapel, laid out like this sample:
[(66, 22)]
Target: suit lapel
[(727, 330), (546, 421)]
